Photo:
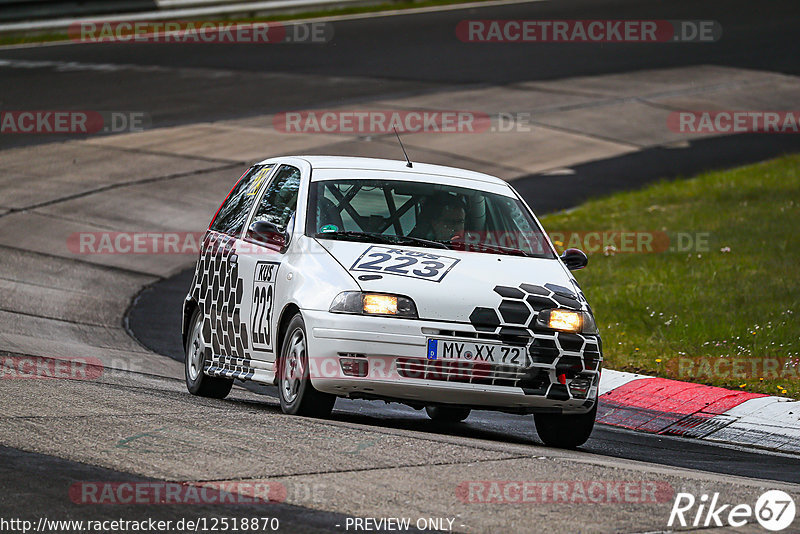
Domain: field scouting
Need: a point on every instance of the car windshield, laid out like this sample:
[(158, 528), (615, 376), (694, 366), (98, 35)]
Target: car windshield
[(424, 214)]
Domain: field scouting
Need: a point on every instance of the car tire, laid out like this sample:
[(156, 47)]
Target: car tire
[(565, 431), (296, 393), (447, 414), (195, 352)]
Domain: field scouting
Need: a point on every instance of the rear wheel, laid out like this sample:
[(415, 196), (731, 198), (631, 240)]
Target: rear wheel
[(197, 382), (297, 395), (565, 431), (447, 414)]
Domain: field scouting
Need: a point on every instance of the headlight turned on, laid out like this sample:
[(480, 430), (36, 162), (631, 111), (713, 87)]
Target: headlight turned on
[(382, 304), (567, 321)]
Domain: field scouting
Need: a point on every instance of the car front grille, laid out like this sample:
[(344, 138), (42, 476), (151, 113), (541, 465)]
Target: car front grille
[(511, 336), (460, 371)]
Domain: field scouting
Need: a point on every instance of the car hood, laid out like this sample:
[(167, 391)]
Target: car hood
[(513, 286)]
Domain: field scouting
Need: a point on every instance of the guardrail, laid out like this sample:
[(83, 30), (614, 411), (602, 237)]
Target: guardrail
[(19, 10), (44, 15)]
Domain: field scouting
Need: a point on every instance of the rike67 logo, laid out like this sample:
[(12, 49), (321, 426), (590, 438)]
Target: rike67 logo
[(774, 510)]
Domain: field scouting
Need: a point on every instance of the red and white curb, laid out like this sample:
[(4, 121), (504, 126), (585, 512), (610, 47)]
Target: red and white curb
[(663, 406)]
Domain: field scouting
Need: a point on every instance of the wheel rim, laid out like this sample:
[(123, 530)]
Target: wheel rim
[(293, 366), (196, 350)]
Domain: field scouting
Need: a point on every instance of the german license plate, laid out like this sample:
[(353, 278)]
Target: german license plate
[(467, 351)]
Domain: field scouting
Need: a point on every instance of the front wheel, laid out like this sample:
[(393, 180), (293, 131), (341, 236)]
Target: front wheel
[(565, 431), (197, 382), (447, 414), (297, 395)]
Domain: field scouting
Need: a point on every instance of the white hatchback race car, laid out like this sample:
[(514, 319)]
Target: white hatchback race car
[(363, 278)]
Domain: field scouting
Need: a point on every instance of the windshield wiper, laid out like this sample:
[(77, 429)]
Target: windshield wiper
[(390, 239), (484, 247), (410, 240)]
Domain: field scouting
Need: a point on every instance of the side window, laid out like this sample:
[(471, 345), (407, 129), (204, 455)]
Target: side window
[(232, 215), (279, 201)]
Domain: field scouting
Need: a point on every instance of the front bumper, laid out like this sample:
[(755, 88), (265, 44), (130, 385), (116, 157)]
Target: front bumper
[(395, 352)]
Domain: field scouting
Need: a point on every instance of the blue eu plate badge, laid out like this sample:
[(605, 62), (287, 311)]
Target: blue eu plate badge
[(433, 345)]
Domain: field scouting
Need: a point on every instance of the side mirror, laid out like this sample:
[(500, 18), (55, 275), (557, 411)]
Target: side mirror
[(574, 259), (267, 234)]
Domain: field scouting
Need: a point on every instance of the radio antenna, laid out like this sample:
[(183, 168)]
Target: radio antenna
[(408, 161)]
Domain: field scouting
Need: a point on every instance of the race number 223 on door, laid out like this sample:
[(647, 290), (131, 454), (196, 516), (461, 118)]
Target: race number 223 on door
[(263, 303)]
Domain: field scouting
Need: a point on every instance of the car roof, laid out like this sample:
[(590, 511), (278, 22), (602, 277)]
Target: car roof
[(376, 164)]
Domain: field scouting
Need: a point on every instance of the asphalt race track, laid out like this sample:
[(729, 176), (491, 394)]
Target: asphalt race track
[(137, 423)]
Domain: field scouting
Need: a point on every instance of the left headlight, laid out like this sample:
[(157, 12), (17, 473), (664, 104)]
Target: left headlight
[(567, 321), (384, 304)]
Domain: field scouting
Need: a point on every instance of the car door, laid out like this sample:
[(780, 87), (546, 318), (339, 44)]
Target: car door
[(260, 267), (218, 287)]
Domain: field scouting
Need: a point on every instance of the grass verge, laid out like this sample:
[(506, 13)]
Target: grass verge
[(722, 310)]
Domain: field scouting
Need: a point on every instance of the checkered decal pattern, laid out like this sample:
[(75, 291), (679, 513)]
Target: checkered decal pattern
[(218, 290), (550, 353)]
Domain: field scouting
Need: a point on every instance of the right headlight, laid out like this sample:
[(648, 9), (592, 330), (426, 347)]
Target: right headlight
[(382, 304), (567, 321)]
